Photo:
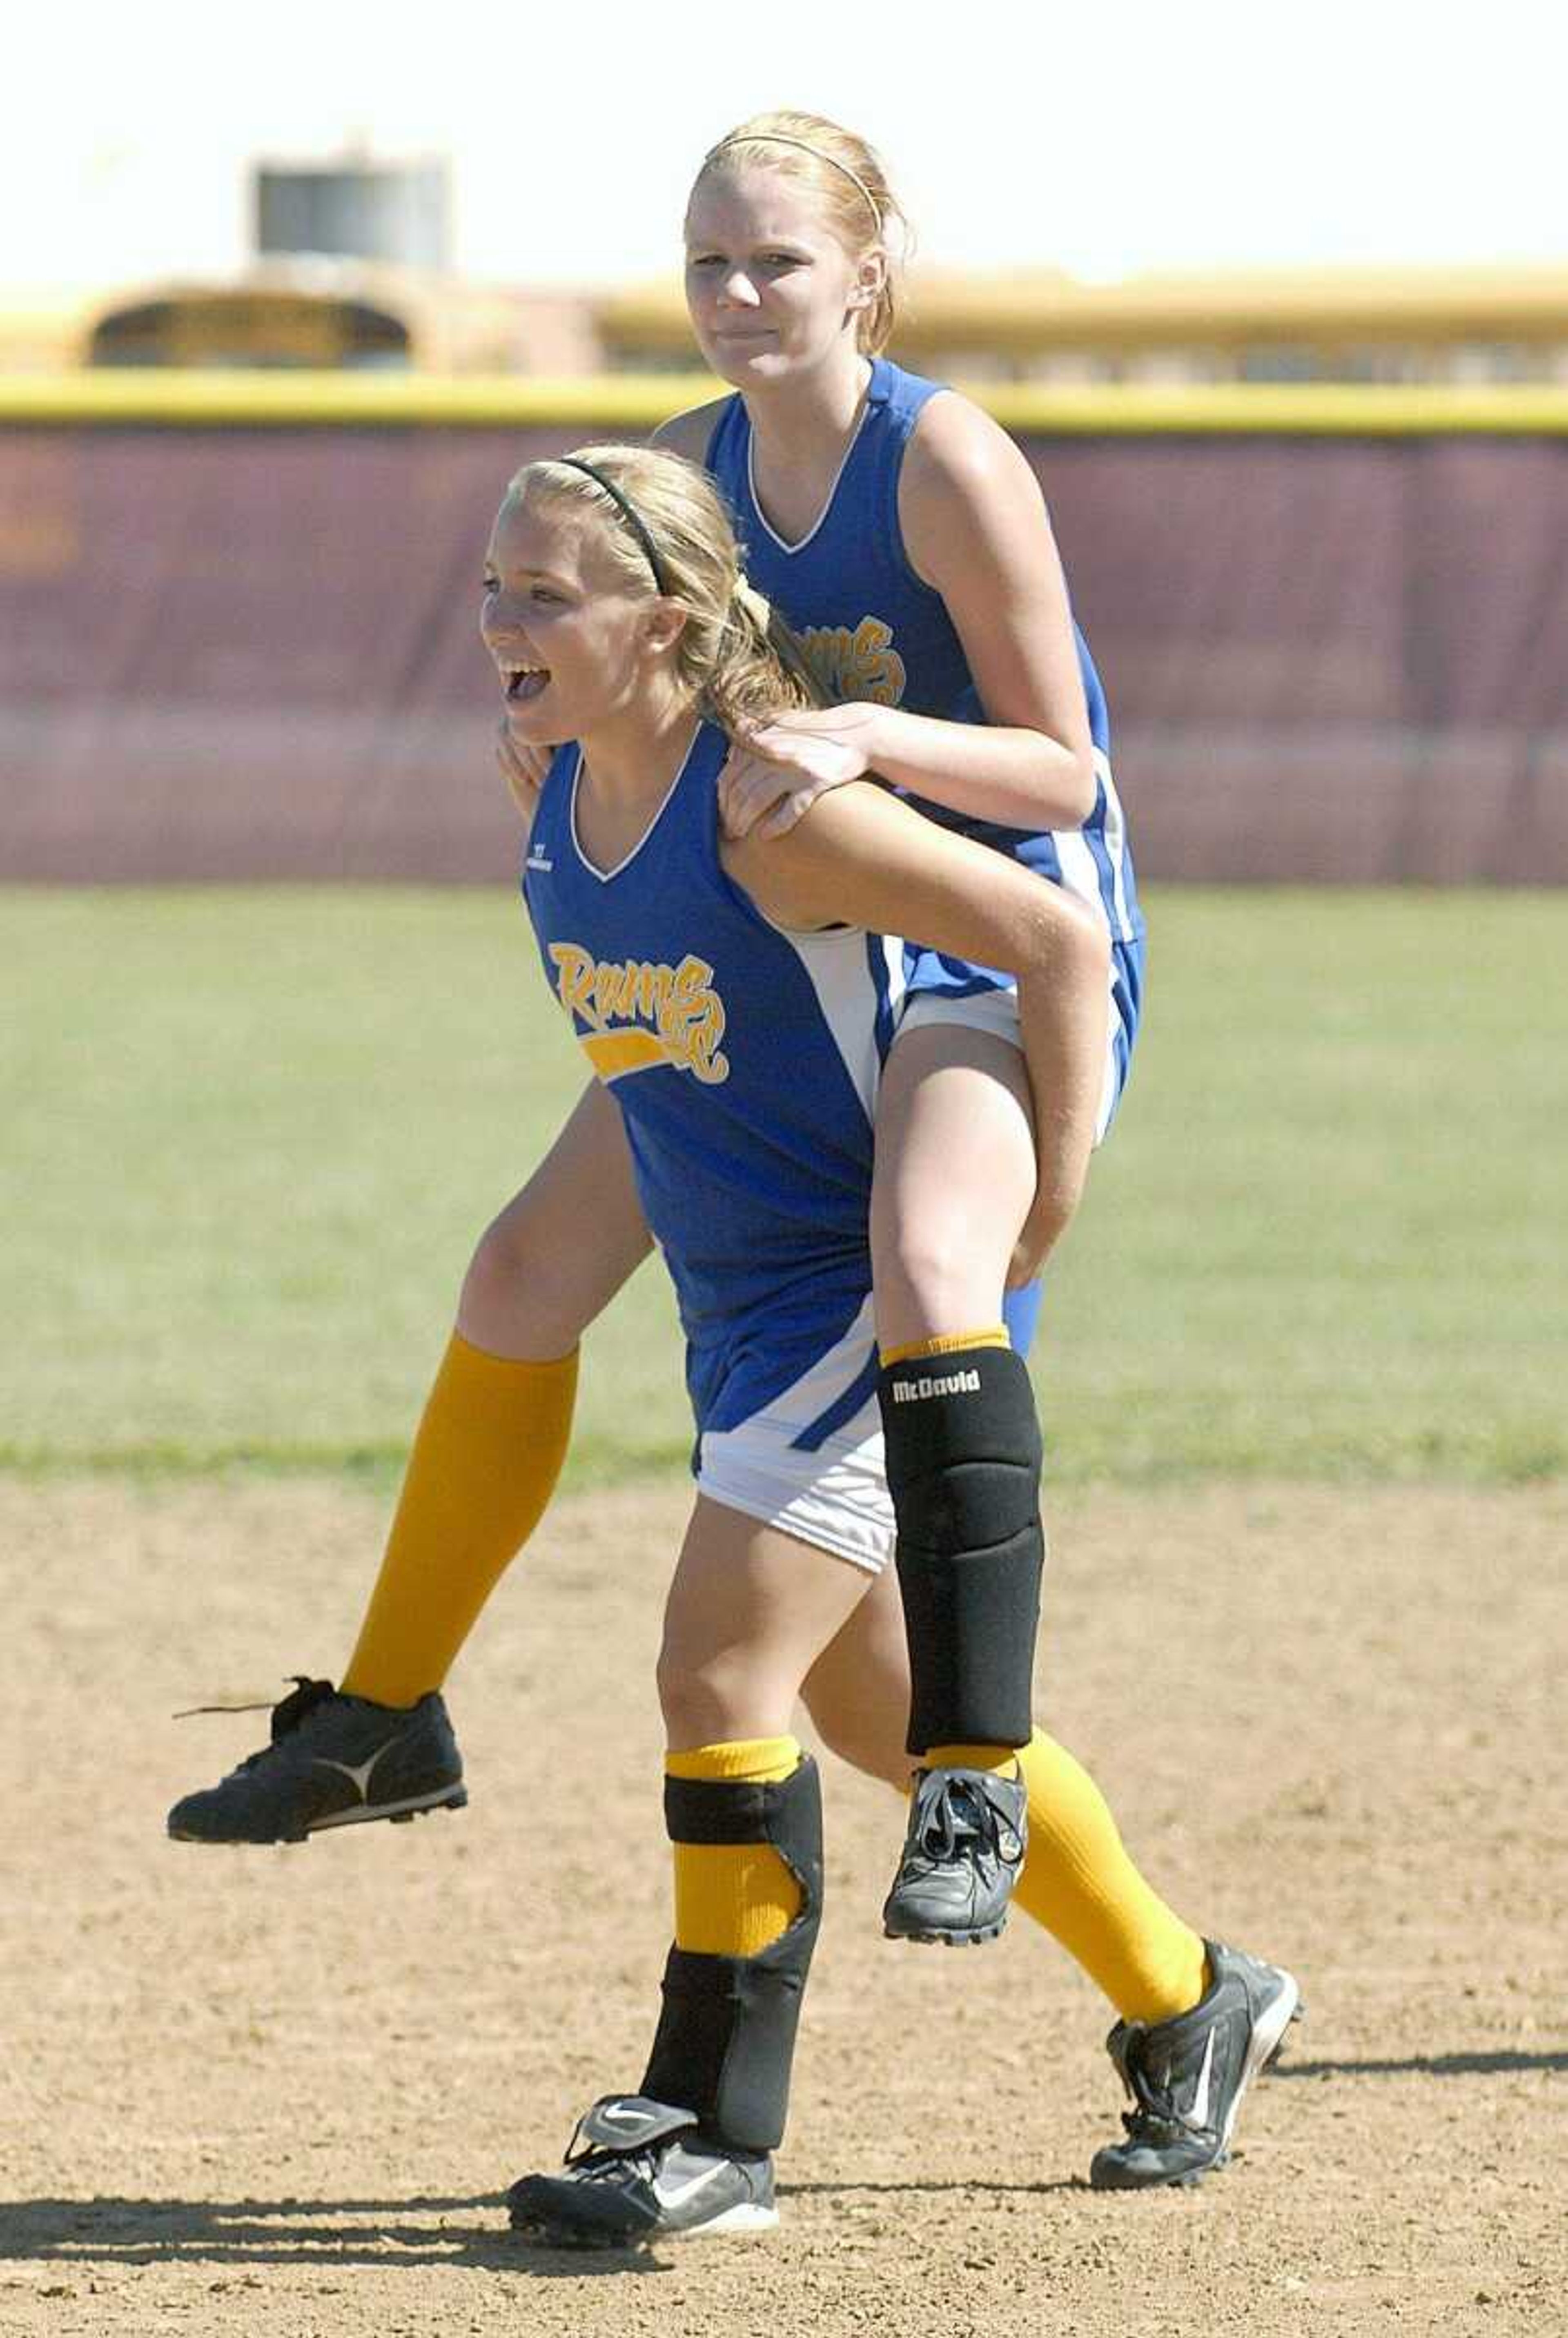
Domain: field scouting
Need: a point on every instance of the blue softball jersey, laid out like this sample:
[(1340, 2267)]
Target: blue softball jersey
[(874, 629), (745, 1062)]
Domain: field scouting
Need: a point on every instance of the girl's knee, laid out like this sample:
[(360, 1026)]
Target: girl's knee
[(936, 1272), (706, 1701), (524, 1294), (498, 1263), (872, 1743), (883, 1759)]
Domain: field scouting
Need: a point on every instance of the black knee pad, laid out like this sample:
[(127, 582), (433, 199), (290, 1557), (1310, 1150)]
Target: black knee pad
[(726, 2037), (964, 1456)]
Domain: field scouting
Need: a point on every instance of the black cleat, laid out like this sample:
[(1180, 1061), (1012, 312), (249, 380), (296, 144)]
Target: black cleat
[(967, 1832), (1187, 2076), (639, 2172), (333, 1761)]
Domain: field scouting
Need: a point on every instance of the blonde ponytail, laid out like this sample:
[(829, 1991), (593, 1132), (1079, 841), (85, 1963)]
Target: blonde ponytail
[(759, 668)]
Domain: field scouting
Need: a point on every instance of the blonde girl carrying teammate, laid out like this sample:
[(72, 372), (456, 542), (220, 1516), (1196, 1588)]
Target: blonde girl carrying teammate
[(903, 534), (904, 538), (736, 996), (692, 969)]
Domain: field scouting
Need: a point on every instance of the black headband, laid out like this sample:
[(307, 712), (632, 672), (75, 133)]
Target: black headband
[(629, 512)]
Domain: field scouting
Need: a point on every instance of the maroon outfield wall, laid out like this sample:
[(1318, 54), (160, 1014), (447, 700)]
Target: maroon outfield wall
[(249, 652)]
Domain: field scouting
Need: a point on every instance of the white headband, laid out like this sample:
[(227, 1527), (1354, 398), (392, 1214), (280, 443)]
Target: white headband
[(776, 138)]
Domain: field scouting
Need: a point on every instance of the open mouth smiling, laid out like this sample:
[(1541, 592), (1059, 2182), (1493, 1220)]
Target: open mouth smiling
[(523, 681)]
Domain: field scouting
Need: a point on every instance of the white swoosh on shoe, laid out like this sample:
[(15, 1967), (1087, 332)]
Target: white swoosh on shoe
[(677, 2196), (1198, 2115)]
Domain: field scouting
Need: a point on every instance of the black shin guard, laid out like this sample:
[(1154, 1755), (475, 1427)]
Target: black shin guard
[(964, 1457), (726, 2037)]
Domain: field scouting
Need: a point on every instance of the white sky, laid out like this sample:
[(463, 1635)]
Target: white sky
[(1107, 140)]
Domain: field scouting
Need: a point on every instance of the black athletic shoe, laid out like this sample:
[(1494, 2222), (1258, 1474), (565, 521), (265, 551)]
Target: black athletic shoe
[(1187, 2076), (962, 1853), (637, 2172), (334, 1760)]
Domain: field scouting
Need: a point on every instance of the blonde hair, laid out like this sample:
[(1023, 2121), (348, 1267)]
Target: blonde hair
[(734, 654), (846, 177)]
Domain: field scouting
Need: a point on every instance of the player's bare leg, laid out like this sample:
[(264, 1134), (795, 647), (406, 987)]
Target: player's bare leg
[(689, 2150), (954, 1182), (550, 1263), (750, 1612), (955, 1179)]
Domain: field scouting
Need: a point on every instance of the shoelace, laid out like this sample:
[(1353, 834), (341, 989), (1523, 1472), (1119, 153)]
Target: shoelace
[(288, 1715), (1148, 2125), (961, 1812), (605, 2165), (1155, 2117)]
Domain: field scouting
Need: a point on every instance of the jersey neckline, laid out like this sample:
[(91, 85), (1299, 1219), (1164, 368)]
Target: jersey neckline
[(801, 542), (608, 876)]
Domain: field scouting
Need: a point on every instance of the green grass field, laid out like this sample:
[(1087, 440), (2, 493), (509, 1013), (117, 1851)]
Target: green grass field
[(249, 1136)]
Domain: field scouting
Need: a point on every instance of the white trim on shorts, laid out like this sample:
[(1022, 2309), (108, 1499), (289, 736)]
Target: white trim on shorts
[(835, 1497), (995, 1009)]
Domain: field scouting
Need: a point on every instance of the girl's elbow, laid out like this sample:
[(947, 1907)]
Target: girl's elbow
[(1084, 785), (1064, 783), (1070, 961), (1087, 942)]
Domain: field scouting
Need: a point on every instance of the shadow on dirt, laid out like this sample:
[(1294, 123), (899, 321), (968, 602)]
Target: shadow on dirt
[(1428, 2065), (971, 2187), (422, 2231), (425, 2230)]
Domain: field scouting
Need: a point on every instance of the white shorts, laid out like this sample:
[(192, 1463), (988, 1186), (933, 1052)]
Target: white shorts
[(834, 1493), (997, 1010)]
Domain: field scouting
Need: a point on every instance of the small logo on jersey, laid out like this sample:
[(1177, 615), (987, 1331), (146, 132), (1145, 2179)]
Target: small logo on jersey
[(855, 661), (938, 1384), (639, 1014), (539, 859)]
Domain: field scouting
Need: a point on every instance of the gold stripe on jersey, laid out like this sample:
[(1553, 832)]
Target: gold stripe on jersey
[(613, 1052)]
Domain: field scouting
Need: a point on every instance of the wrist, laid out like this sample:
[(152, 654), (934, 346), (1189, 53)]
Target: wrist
[(881, 734)]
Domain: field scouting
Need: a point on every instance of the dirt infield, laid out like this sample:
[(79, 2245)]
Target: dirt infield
[(280, 2091)]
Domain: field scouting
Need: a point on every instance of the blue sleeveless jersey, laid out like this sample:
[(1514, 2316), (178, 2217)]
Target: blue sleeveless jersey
[(875, 631), (745, 1062)]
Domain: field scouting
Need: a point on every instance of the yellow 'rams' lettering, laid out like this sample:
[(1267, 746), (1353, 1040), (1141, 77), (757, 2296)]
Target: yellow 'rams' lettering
[(685, 1012), (856, 661)]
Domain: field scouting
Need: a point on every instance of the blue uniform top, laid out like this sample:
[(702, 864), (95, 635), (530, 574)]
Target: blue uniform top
[(875, 631), (745, 1061)]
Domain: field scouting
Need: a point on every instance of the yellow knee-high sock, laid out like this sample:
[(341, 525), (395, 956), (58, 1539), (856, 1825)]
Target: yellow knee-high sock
[(483, 1465), (947, 1343), (1080, 1884), (733, 1899)]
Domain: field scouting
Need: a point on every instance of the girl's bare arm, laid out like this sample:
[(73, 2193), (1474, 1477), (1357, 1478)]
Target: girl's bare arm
[(860, 857)]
